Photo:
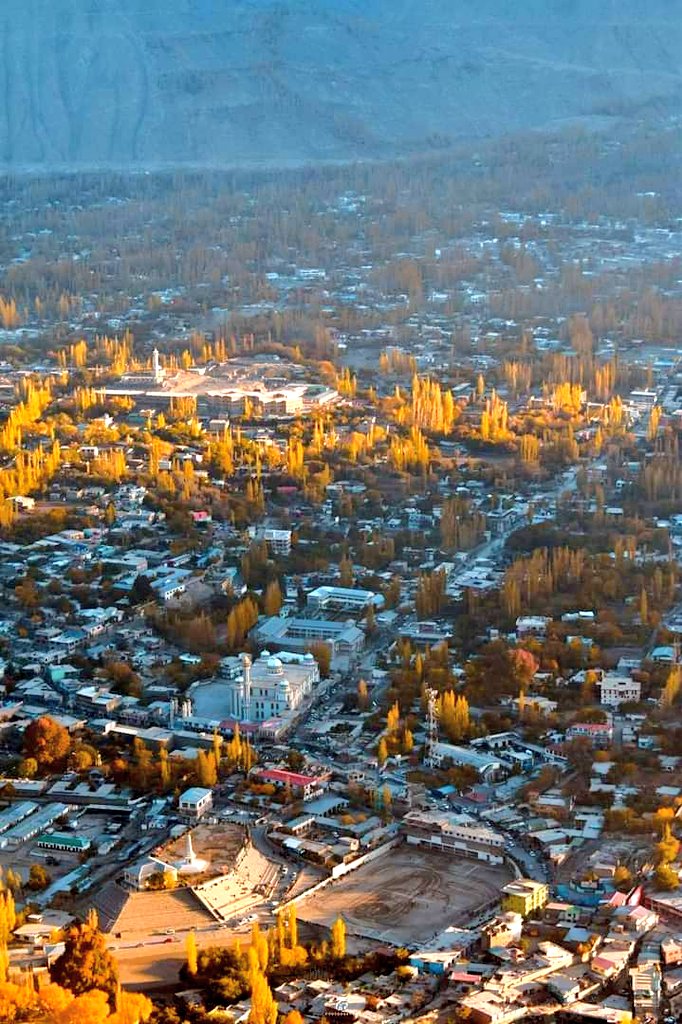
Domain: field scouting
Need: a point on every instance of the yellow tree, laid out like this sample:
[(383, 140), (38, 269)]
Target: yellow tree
[(263, 1005), (672, 686), (293, 927), (191, 952), (338, 939), (272, 599), (259, 944)]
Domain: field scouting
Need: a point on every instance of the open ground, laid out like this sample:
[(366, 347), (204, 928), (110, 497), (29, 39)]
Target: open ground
[(406, 896)]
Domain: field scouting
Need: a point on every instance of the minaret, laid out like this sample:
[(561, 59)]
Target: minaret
[(246, 673), (189, 850)]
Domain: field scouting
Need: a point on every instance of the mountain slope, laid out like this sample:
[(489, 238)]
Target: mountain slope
[(228, 82)]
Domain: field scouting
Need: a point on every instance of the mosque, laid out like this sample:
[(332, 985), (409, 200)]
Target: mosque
[(270, 687)]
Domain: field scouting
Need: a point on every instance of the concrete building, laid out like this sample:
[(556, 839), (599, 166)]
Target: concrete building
[(270, 687), (344, 639), (503, 930), (278, 541), (524, 896), (236, 388), (487, 765), (600, 734), (426, 633), (645, 981), (454, 833), (616, 690), (343, 599), (304, 787), (195, 802), (532, 625), (63, 842)]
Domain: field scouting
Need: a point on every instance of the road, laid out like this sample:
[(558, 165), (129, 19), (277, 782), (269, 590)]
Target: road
[(155, 963)]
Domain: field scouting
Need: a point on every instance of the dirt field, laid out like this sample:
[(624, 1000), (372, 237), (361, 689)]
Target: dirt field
[(407, 895), (218, 844)]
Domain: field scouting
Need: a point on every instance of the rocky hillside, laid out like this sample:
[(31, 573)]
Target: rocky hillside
[(145, 83)]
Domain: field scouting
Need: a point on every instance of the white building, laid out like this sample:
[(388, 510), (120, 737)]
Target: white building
[(270, 687), (532, 625), (344, 599), (344, 639), (616, 690), (195, 802), (454, 833), (488, 766), (278, 541)]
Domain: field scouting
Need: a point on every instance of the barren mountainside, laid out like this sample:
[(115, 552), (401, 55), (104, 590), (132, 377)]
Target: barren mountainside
[(143, 83)]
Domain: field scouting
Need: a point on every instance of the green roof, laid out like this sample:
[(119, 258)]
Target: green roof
[(60, 839)]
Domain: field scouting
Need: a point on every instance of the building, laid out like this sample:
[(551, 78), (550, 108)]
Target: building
[(344, 639), (454, 833), (668, 906), (426, 633), (33, 825), (645, 981), (486, 1007), (487, 765), (97, 701), (138, 874), (240, 387), (12, 815), (63, 842), (343, 599), (195, 802), (616, 690), (278, 541), (643, 399), (270, 687), (524, 896), (303, 787), (502, 931), (600, 734), (532, 625)]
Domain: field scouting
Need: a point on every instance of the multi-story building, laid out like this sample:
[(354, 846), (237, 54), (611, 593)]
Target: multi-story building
[(297, 634), (645, 981), (454, 833), (503, 930), (269, 687), (616, 690), (96, 701), (532, 625), (600, 734), (524, 895), (278, 541), (343, 599), (301, 786), (195, 802)]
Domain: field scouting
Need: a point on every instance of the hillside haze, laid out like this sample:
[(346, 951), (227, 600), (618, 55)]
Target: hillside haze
[(147, 83)]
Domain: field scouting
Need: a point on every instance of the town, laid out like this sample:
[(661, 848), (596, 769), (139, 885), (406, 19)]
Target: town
[(340, 553)]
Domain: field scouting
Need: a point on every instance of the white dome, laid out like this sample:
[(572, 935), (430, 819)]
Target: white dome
[(274, 665)]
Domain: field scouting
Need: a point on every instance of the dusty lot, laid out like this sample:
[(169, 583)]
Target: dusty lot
[(407, 895), (218, 844)]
